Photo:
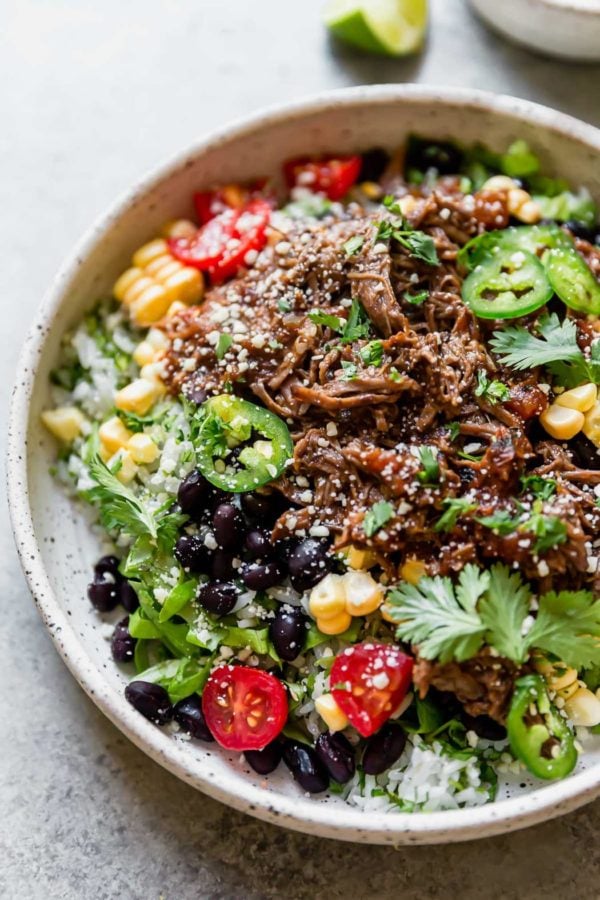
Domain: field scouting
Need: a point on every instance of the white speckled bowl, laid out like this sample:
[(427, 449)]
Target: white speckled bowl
[(57, 548), (568, 29)]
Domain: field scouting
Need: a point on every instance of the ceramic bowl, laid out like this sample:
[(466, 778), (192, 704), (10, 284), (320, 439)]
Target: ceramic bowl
[(568, 29), (56, 546)]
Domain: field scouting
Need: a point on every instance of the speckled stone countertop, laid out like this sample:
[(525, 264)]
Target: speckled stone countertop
[(92, 95)]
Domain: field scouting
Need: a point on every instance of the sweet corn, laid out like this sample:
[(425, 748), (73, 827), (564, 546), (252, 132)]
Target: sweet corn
[(583, 708), (142, 448), (128, 468), (499, 183), (176, 307), (330, 712), (328, 599), (144, 353), (363, 594), (522, 207), (561, 422), (137, 397), (591, 425), (65, 422), (581, 398), (157, 339), (384, 609), (113, 435), (371, 189), (157, 279), (560, 678), (152, 372), (179, 228), (412, 570), (407, 204), (359, 558), (335, 624)]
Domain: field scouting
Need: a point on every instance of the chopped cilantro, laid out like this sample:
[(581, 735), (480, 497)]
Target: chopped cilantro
[(494, 391), (453, 507), (453, 430), (284, 305), (372, 353), (550, 531), (380, 513), (500, 522), (415, 299), (223, 344), (430, 473), (350, 370), (357, 324), (322, 318), (544, 488), (353, 244)]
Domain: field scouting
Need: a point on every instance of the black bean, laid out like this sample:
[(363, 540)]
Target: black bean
[(383, 749), (122, 644), (306, 767), (288, 633), (260, 576), (128, 597), (192, 553), (151, 700), (257, 506), (218, 597), (308, 563), (581, 230), (190, 718), (222, 565), (441, 155), (193, 493), (585, 453), (107, 565), (373, 165), (228, 526), (484, 727), (337, 755), (266, 760), (104, 593), (258, 544)]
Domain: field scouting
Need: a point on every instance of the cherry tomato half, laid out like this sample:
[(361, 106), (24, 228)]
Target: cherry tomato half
[(221, 246), (332, 177), (369, 682), (244, 708), (209, 204)]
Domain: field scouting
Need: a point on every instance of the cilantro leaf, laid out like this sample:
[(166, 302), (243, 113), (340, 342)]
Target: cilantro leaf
[(568, 625), (453, 507), (549, 530), (322, 318), (430, 473), (540, 487), (349, 370), (421, 246), (372, 353), (503, 610), (137, 423), (556, 348), (353, 244), (442, 620), (390, 202), (500, 522), (416, 299), (223, 344), (380, 513), (356, 325), (453, 430), (494, 391)]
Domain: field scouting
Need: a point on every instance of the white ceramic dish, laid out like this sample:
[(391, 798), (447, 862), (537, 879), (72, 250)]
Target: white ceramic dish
[(57, 548), (568, 29)]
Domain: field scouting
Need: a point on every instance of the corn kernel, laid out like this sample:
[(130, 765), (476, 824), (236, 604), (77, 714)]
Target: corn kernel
[(581, 398), (407, 204), (359, 558), (163, 266), (65, 422), (157, 339), (371, 189), (128, 468), (153, 373), (176, 307), (151, 305), (113, 434), (330, 712), (328, 599), (149, 252), (561, 422), (591, 426), (141, 284), (557, 680), (529, 212), (142, 448), (179, 228), (136, 397), (335, 624), (385, 610), (104, 453), (583, 708), (127, 279), (499, 183), (144, 353), (413, 570), (363, 594), (186, 285)]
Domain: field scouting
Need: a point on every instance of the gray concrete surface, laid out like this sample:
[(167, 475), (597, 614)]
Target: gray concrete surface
[(91, 95)]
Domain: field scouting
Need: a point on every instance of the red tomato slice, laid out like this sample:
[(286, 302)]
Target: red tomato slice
[(221, 246), (333, 177), (244, 708), (369, 682), (209, 204)]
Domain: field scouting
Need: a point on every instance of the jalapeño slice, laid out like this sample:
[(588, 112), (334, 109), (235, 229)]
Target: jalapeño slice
[(573, 281), (241, 446), (538, 735), (508, 284), (534, 239)]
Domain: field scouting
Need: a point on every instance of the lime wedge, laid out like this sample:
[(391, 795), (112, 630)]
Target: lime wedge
[(388, 27)]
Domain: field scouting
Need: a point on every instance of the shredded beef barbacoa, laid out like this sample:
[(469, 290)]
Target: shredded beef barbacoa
[(357, 428)]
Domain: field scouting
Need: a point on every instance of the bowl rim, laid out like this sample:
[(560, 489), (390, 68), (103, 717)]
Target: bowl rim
[(293, 812)]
